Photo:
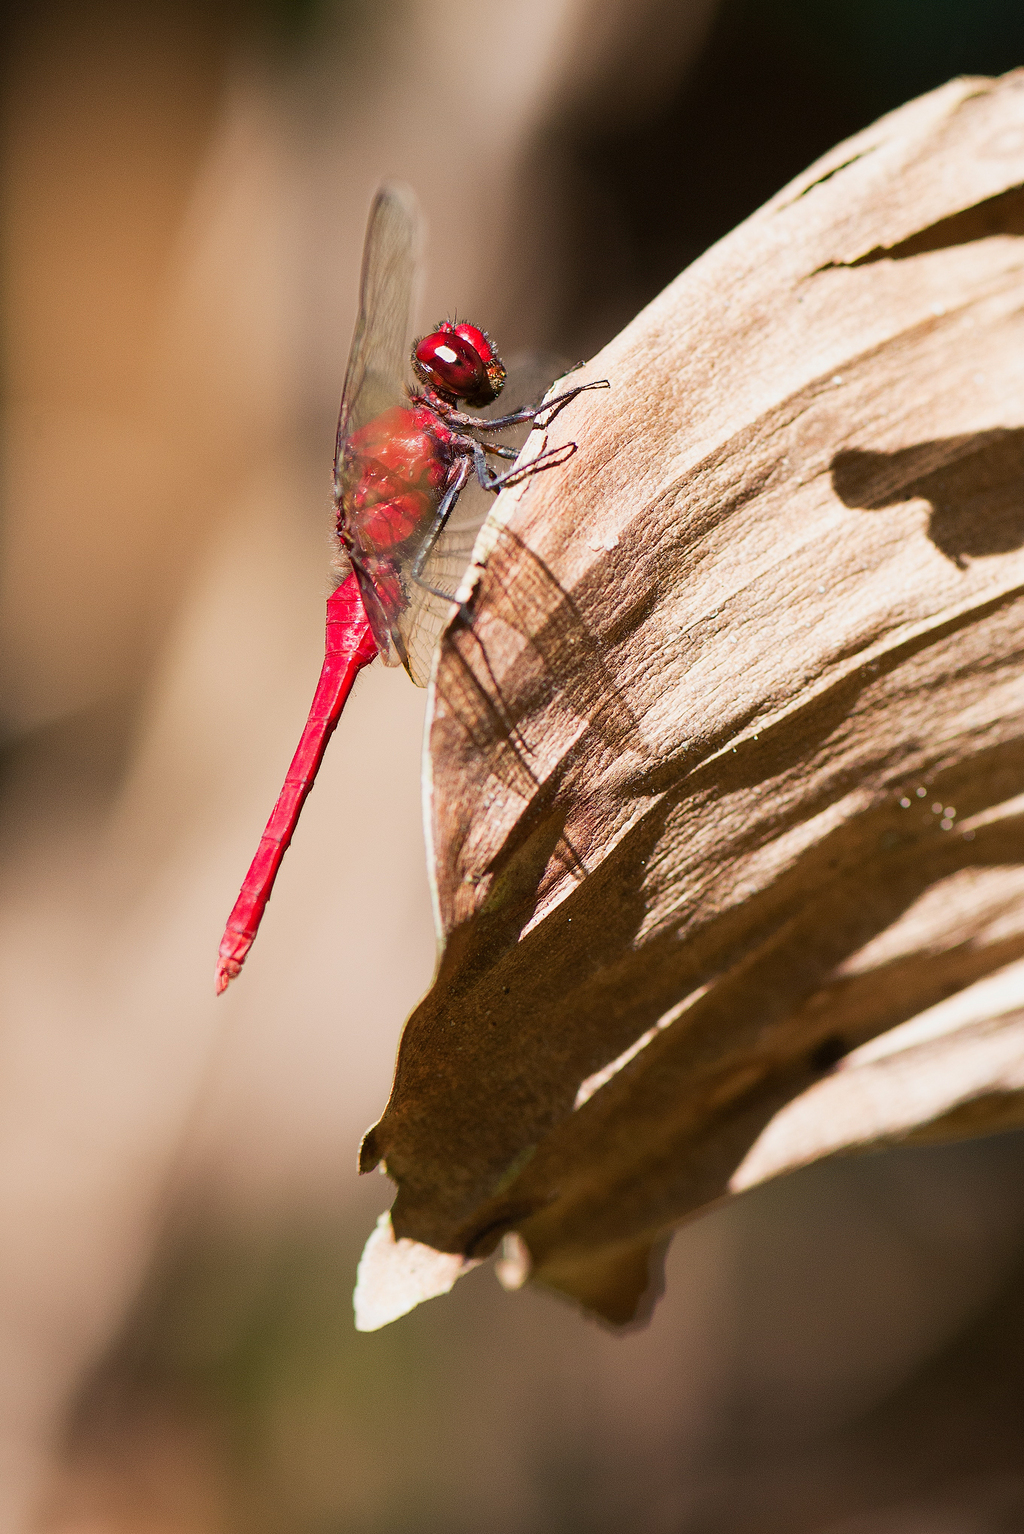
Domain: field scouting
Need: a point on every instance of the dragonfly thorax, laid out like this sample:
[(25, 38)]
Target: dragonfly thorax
[(392, 475)]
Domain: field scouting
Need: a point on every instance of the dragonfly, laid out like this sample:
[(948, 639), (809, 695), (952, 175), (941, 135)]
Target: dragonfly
[(405, 453)]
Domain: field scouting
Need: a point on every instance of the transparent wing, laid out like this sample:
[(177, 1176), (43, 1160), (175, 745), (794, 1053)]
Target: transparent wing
[(376, 372), (529, 379), (375, 384), (426, 613)]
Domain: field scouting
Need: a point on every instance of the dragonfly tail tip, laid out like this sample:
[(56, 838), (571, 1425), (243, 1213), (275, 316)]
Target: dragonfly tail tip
[(230, 960)]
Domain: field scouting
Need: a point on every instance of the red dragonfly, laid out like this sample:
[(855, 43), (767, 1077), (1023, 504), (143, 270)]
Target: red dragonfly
[(403, 457)]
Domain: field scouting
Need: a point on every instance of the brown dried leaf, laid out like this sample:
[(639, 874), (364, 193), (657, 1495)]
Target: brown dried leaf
[(727, 756)]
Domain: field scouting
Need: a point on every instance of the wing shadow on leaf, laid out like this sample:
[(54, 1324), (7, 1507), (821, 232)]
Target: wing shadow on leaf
[(521, 593), (975, 484)]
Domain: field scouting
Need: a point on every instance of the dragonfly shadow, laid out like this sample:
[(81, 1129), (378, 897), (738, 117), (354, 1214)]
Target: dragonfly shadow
[(560, 663), (975, 484), (525, 695)]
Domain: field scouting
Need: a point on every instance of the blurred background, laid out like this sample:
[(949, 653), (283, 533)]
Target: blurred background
[(185, 188)]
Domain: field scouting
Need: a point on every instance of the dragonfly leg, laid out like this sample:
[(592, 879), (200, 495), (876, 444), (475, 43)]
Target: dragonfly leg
[(535, 412), (463, 421), (553, 406), (490, 479), (444, 511)]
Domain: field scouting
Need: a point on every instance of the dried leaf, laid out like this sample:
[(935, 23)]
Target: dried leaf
[(726, 754)]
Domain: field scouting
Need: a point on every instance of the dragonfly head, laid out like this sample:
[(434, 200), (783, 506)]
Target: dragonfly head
[(460, 363)]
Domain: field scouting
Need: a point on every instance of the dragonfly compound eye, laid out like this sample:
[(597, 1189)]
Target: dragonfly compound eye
[(461, 363)]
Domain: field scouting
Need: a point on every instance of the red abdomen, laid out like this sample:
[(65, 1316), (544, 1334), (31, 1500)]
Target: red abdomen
[(394, 468)]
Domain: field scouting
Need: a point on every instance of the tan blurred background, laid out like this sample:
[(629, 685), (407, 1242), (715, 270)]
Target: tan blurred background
[(185, 192)]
